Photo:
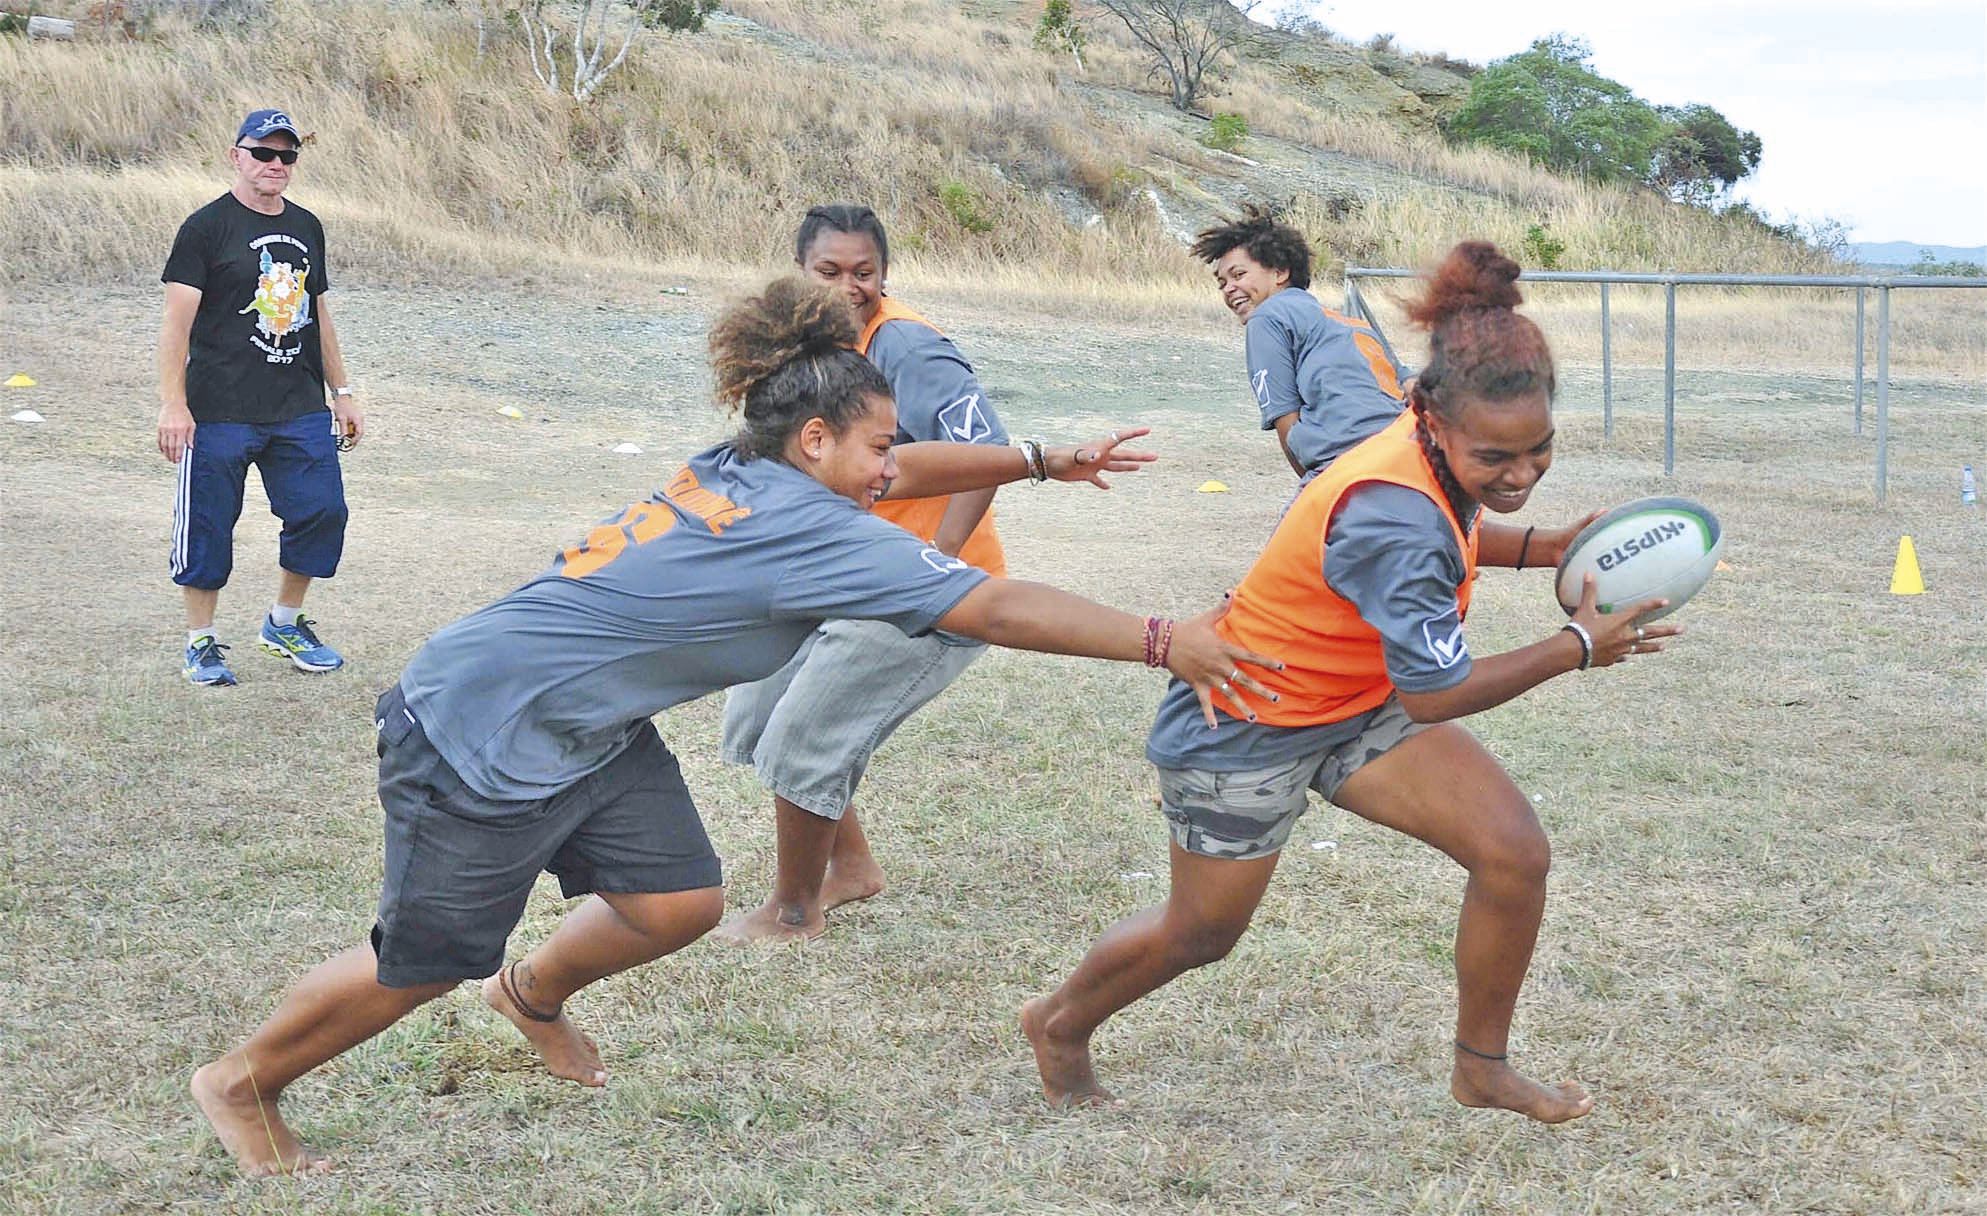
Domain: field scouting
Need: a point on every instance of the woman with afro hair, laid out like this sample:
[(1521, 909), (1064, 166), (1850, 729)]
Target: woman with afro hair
[(1322, 381)]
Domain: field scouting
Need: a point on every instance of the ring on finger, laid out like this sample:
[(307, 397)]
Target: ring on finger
[(1638, 633), (1114, 437), (1227, 689)]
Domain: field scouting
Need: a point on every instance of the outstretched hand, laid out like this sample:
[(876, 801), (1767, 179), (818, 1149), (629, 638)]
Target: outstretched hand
[(1089, 461), (1616, 634), (1211, 665)]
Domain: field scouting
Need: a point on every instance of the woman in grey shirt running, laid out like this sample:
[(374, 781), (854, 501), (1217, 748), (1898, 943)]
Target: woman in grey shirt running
[(519, 739)]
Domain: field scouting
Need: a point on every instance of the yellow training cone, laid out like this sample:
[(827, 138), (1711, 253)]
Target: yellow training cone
[(1212, 487), (511, 412), (20, 380), (1904, 577)]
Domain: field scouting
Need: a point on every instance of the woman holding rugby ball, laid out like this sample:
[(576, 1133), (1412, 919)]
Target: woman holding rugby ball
[(519, 739), (1362, 592)]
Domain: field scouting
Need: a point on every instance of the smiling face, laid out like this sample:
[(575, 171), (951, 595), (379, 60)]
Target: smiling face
[(1497, 450), (851, 263), (857, 463), (264, 180), (1245, 283)]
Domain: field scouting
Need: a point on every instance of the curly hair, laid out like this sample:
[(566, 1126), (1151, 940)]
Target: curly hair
[(841, 217), (786, 355), (1258, 233), (1478, 348)]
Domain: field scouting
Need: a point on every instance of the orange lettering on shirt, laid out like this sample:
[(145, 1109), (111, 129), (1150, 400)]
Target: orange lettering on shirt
[(717, 511)]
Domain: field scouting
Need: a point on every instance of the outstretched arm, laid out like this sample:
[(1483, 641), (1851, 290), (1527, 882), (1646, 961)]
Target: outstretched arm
[(1499, 678), (928, 470), (1035, 616)]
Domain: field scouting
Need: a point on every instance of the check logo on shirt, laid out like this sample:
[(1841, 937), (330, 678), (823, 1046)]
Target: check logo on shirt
[(964, 421), (1261, 385), (1449, 650), (940, 561)]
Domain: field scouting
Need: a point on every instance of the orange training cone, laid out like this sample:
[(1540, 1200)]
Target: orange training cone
[(1905, 578)]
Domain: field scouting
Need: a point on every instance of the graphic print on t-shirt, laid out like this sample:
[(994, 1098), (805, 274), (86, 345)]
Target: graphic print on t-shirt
[(282, 297)]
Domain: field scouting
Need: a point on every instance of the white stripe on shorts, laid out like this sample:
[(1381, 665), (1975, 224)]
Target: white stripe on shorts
[(182, 506)]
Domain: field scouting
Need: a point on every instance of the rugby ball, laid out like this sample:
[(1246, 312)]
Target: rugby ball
[(1652, 548)]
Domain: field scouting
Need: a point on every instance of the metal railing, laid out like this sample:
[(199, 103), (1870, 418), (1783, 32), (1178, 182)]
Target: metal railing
[(1863, 284)]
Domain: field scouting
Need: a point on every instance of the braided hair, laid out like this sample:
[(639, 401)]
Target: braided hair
[(786, 355), (1479, 349), (1268, 242)]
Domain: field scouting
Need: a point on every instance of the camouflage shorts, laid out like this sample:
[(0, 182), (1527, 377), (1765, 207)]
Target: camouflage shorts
[(1250, 813)]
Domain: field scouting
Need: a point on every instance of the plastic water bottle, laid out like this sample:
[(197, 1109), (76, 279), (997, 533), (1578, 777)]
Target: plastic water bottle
[(1968, 496)]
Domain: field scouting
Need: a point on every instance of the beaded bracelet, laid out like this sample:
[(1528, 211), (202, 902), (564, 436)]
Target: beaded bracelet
[(1158, 640)]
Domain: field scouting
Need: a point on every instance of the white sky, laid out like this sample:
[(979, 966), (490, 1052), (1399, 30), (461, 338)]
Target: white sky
[(1872, 114)]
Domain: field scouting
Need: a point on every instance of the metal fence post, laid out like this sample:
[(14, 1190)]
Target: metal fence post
[(1669, 379), (1351, 296), (1607, 368), (1860, 293), (1883, 391)]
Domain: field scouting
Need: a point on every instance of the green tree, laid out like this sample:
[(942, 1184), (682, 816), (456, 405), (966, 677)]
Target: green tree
[(686, 16), (1060, 31), (1702, 154), (1548, 103)]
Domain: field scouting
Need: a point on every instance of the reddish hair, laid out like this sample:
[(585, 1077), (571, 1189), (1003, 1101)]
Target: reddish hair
[(1478, 348)]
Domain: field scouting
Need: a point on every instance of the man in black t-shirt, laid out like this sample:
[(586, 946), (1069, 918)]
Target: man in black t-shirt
[(246, 355)]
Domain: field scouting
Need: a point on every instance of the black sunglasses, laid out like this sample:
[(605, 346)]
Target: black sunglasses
[(287, 155)]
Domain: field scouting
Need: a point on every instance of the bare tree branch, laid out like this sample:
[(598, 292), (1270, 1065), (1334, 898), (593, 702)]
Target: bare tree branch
[(1186, 39)]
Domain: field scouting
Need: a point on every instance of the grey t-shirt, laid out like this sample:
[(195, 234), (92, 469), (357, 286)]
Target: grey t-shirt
[(938, 396), (714, 580), (1304, 362), (1391, 552)]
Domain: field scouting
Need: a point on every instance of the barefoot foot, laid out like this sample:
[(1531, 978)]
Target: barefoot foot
[(1494, 1083), (848, 882), (249, 1126), (771, 922), (565, 1051), (1068, 1079)]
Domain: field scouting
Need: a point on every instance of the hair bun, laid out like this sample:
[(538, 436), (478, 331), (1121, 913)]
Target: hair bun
[(790, 319), (807, 318), (1475, 274)]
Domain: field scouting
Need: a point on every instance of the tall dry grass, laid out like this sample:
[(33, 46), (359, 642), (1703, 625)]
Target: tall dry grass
[(703, 149), (434, 159)]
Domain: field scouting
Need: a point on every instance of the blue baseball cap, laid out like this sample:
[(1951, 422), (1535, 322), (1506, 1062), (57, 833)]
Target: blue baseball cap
[(261, 124)]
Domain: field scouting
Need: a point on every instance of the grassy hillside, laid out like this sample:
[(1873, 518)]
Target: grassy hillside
[(987, 156)]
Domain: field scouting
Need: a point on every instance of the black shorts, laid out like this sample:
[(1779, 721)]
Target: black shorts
[(459, 867)]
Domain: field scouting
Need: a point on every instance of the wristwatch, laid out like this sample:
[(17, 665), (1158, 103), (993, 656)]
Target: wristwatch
[(343, 390)]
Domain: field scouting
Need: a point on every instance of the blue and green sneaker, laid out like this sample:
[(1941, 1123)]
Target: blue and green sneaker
[(298, 644), (205, 664)]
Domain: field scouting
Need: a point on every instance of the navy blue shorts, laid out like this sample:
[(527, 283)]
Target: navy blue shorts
[(460, 867), (298, 460)]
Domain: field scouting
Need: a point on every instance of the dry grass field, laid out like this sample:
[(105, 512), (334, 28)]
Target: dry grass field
[(1762, 951)]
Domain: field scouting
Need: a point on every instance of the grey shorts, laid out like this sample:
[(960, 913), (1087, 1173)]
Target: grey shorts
[(459, 867), (810, 728), (1250, 813)]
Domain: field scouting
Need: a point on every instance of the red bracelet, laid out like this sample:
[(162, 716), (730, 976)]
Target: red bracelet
[(1165, 643), (1151, 640)]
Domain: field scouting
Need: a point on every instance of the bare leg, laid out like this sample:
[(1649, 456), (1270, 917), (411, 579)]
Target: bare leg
[(852, 870), (335, 1007), (290, 588), (200, 605), (1443, 788), (793, 911), (1204, 915), (608, 933)]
